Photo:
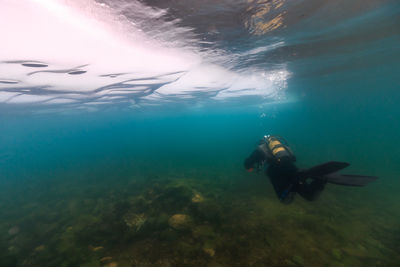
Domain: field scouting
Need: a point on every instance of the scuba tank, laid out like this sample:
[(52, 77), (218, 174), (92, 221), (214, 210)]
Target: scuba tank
[(279, 150)]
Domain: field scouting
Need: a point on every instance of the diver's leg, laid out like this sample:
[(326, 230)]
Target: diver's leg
[(310, 191)]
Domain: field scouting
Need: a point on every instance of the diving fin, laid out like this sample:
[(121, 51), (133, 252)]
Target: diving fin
[(348, 179), (324, 169)]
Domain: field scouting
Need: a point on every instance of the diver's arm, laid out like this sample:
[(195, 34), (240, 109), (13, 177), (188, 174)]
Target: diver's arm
[(257, 156)]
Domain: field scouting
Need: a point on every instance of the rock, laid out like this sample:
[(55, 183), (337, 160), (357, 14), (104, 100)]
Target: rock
[(197, 198), (104, 259), (135, 221), (209, 251), (180, 221), (94, 249), (13, 230), (40, 248)]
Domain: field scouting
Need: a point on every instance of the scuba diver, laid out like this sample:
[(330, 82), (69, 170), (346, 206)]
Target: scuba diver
[(288, 180)]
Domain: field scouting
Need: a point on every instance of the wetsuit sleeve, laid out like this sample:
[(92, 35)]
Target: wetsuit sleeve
[(258, 156), (255, 158)]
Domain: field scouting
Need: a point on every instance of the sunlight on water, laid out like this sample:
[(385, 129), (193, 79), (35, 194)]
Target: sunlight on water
[(77, 61)]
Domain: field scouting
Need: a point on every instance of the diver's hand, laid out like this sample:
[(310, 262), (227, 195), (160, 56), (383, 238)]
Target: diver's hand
[(255, 158)]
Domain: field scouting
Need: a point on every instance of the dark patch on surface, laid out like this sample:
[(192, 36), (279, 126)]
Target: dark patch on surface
[(9, 81), (34, 65), (113, 75), (75, 69), (77, 72)]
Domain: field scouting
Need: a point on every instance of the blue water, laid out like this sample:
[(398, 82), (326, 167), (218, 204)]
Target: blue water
[(97, 181)]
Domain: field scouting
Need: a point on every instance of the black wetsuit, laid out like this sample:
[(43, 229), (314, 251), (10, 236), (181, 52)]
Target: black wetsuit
[(284, 176)]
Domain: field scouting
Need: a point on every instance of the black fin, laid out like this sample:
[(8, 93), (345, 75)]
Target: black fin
[(324, 169), (348, 179)]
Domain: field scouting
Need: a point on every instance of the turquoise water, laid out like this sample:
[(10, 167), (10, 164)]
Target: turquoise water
[(60, 197), (165, 185)]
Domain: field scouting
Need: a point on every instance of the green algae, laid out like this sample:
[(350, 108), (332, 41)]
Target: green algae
[(337, 253), (298, 260), (229, 226)]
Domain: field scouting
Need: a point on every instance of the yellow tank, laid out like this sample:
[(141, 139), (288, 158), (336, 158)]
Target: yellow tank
[(279, 151)]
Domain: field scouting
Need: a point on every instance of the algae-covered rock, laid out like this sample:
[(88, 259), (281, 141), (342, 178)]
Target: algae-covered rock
[(209, 251), (135, 221), (197, 198), (209, 247), (180, 221), (95, 249)]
